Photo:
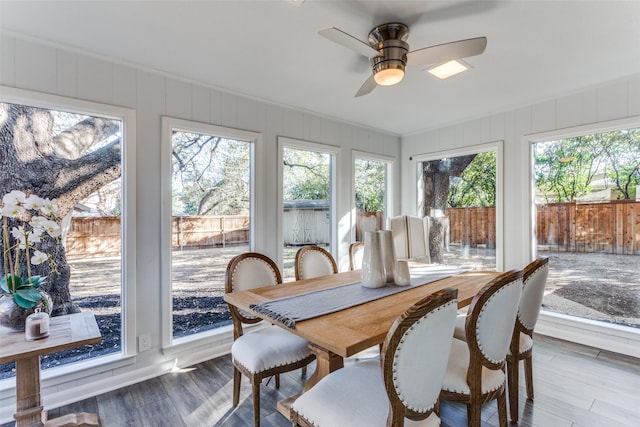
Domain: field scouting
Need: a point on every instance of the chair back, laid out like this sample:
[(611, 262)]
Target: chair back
[(247, 271), (411, 237), (415, 356), (534, 280), (491, 319), (314, 261), (356, 253)]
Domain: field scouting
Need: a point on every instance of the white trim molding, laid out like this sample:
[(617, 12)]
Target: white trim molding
[(606, 336)]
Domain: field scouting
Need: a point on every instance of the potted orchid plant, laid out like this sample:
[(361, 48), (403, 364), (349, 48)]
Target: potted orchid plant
[(27, 222)]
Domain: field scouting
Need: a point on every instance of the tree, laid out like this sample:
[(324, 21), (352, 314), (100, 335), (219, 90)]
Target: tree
[(210, 174), (476, 186), (565, 169), (622, 149), (67, 164), (306, 175), (369, 185), (436, 178)]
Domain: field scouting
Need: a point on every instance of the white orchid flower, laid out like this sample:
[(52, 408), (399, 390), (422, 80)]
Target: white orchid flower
[(15, 197), (38, 257), (12, 210), (49, 208), (33, 236), (33, 202), (19, 234), (52, 228)]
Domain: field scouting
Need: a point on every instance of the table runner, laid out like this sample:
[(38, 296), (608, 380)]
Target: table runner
[(290, 310)]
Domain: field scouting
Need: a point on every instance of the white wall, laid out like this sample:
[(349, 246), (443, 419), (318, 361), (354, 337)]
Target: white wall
[(602, 106), (38, 66)]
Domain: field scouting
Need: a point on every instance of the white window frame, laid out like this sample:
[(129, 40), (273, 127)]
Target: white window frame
[(128, 218), (170, 345), (498, 147), (617, 338), (334, 152), (389, 187)]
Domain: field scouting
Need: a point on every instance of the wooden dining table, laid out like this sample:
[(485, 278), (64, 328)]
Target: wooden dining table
[(344, 333)]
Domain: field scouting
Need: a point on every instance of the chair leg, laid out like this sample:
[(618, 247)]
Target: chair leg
[(304, 371), (237, 377), (277, 380), (502, 409), (528, 372), (255, 386), (473, 414), (513, 380)]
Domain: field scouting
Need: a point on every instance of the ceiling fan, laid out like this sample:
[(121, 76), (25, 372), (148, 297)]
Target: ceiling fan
[(388, 52)]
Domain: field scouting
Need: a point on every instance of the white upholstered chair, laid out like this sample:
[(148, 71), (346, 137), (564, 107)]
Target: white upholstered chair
[(265, 352), (356, 253), (399, 390), (534, 281), (475, 373), (411, 237), (314, 261)]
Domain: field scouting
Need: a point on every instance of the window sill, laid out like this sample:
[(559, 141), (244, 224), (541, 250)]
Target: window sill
[(606, 336)]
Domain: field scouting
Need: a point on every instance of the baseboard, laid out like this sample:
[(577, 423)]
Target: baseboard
[(602, 335)]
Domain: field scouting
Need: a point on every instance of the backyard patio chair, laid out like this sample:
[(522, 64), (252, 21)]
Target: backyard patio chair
[(400, 390), (265, 352), (314, 261), (475, 373), (411, 237)]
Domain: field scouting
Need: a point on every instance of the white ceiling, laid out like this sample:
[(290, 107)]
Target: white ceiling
[(270, 50)]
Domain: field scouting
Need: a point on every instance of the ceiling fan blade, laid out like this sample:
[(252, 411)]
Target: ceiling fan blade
[(348, 41), (447, 51), (369, 85)]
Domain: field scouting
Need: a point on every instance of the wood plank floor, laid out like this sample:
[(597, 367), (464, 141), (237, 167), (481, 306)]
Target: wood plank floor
[(574, 386)]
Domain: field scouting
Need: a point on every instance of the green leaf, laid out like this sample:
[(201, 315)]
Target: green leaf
[(29, 294), (10, 282), (23, 302), (35, 281)]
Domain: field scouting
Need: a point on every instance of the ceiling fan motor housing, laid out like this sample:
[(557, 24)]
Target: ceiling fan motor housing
[(390, 41)]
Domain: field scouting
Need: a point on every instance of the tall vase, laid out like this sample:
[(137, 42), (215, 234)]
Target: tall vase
[(373, 275), (388, 254)]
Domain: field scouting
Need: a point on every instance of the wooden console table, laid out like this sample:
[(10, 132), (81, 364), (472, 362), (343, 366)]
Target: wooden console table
[(65, 332)]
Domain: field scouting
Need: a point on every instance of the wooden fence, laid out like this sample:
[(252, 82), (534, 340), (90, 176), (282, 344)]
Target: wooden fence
[(101, 236), (610, 227)]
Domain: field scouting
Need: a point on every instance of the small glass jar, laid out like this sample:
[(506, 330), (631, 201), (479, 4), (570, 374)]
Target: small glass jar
[(36, 326)]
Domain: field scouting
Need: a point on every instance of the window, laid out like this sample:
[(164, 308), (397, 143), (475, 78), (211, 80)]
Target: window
[(77, 153), (461, 192), (586, 217), (210, 219), (308, 195), (372, 193)]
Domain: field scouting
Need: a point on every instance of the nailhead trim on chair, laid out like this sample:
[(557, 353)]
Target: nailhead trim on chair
[(480, 317), (395, 358)]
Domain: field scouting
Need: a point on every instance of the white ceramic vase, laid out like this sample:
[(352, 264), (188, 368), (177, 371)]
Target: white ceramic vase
[(388, 254), (373, 275)]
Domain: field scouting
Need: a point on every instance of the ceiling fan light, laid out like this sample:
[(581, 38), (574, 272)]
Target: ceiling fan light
[(389, 76), (448, 69)]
